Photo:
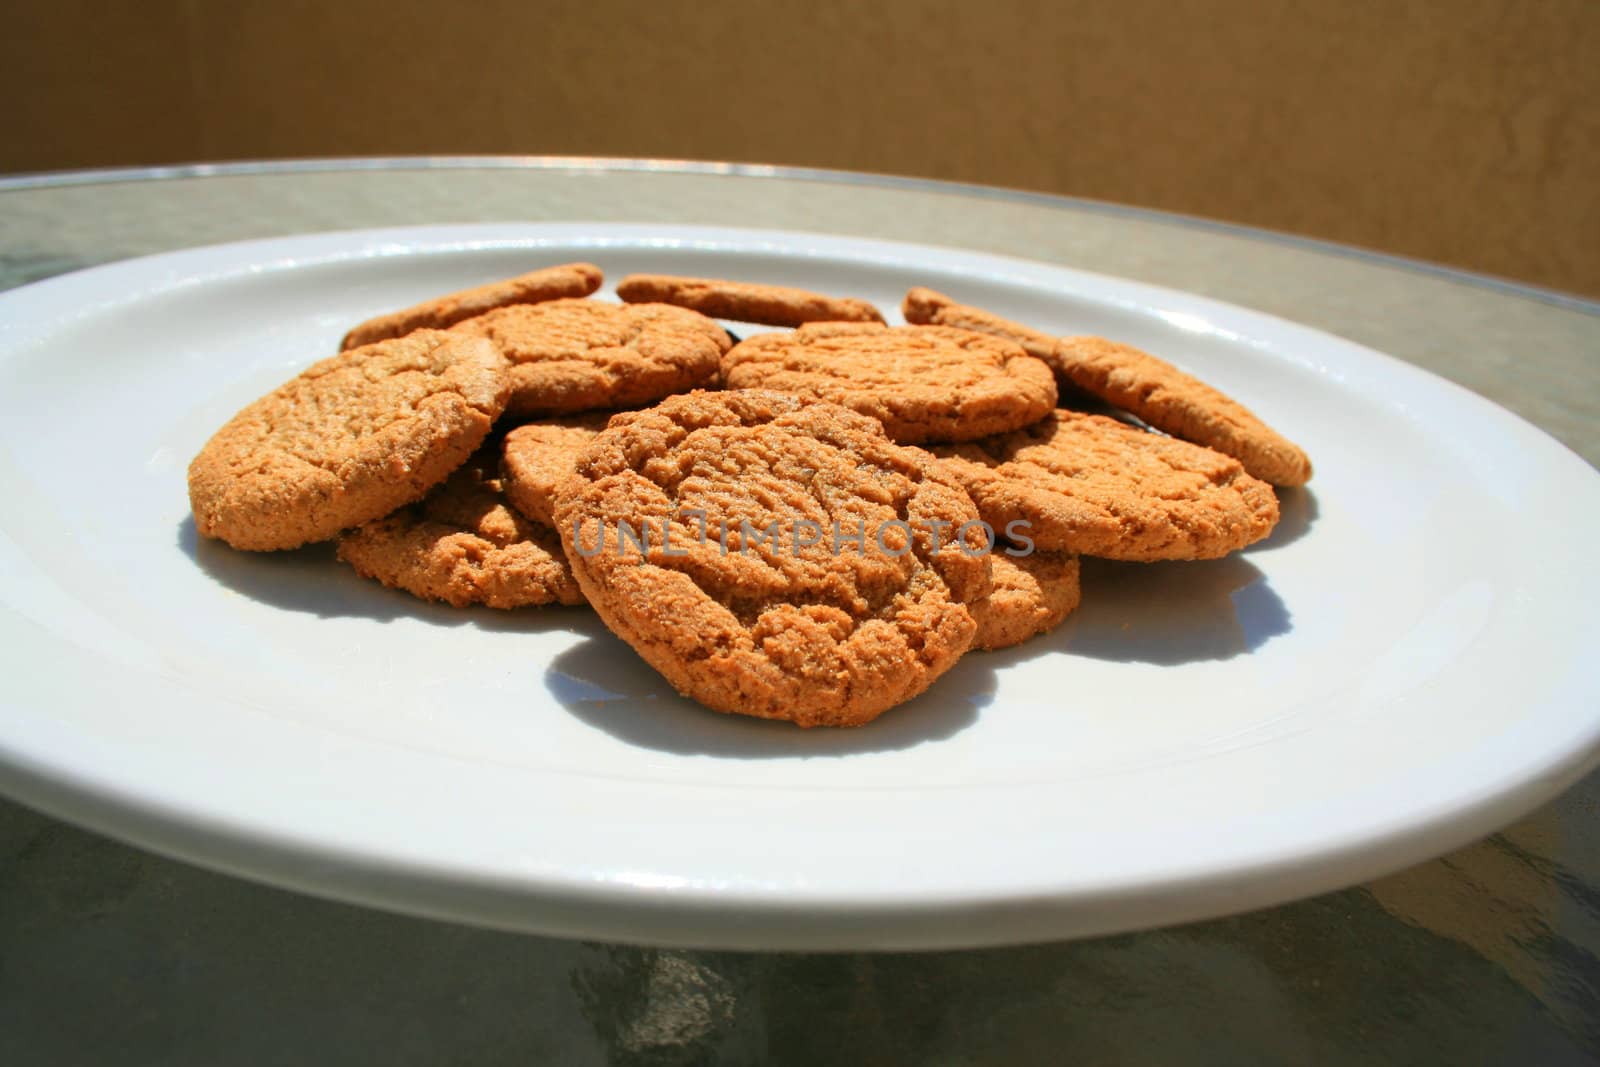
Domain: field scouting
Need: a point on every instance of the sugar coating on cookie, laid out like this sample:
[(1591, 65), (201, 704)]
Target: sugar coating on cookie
[(1092, 485), (581, 355), (797, 564), (770, 305), (538, 456), (547, 283), (923, 383), (1141, 384), (464, 545), (1032, 594), (348, 440)]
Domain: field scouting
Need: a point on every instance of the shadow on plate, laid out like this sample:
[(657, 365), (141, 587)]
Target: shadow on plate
[(313, 581), (1160, 613), (604, 683), (1171, 613)]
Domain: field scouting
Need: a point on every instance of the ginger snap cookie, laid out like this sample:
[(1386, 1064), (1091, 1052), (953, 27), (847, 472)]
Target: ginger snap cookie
[(1141, 384), (1032, 593), (924, 383), (463, 544), (578, 355), (1092, 485), (769, 305), (349, 440), (786, 559), (547, 283), (539, 456)]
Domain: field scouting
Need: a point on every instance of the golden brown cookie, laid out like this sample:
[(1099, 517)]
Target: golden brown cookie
[(924, 383), (776, 582), (770, 305), (463, 545), (1032, 593), (1092, 485), (1139, 383), (547, 283), (539, 456), (579, 355), (349, 440), (926, 307)]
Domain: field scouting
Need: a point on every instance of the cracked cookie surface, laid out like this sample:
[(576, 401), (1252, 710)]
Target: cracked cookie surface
[(547, 283), (924, 383), (770, 305), (539, 456), (1092, 485), (463, 544), (580, 355), (1141, 384), (1032, 594), (727, 601), (348, 440)]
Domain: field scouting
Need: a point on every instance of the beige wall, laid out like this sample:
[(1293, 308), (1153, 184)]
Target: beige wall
[(1466, 132)]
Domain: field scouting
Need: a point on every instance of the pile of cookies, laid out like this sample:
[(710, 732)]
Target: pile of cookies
[(812, 524)]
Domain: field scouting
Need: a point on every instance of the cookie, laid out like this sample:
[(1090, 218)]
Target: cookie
[(1092, 485), (1151, 389), (347, 441), (580, 355), (548, 283), (1032, 593), (539, 456), (924, 383), (770, 305), (463, 544), (776, 582)]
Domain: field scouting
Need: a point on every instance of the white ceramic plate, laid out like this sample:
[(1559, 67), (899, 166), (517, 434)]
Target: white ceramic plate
[(1405, 666)]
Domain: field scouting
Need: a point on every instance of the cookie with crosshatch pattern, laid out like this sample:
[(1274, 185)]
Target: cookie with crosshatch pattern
[(463, 544), (348, 440), (923, 383), (731, 598), (569, 356), (1099, 487)]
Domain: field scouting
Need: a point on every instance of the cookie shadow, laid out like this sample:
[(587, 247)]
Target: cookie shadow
[(313, 581), (1171, 613), (605, 684)]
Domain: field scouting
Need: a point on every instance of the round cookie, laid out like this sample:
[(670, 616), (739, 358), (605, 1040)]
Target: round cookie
[(1092, 485), (924, 383), (538, 456), (548, 283), (463, 545), (579, 355), (1031, 595), (349, 440), (770, 305), (1152, 389), (729, 601)]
